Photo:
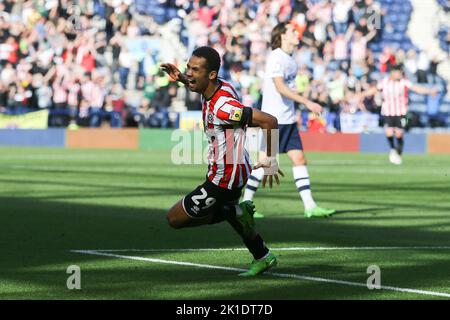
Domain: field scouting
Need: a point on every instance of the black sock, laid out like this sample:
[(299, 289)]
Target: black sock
[(225, 213), (256, 246), (391, 142), (400, 145)]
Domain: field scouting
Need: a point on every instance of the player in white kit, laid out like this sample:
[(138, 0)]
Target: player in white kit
[(279, 96)]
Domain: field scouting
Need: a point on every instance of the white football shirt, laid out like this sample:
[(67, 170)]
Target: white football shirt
[(279, 64)]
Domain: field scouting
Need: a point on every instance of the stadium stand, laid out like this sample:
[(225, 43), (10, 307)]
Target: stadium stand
[(95, 63)]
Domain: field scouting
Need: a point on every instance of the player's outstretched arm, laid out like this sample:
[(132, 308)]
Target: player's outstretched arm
[(174, 73), (368, 93), (287, 92), (268, 123), (424, 90)]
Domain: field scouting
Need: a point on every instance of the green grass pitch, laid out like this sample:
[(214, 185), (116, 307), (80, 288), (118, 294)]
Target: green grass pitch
[(53, 201)]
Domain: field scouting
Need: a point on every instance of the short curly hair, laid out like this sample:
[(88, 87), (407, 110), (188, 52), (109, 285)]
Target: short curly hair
[(211, 55)]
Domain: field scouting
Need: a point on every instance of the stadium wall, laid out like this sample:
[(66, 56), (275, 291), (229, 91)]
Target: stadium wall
[(166, 139), (103, 138), (439, 143), (156, 139), (54, 138), (414, 143), (325, 142)]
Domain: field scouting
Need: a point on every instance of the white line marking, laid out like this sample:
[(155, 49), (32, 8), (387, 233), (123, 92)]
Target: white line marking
[(281, 275), (276, 249), (180, 263)]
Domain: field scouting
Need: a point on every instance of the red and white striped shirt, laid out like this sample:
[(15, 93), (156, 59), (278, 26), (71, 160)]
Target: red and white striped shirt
[(395, 96), (59, 93), (340, 48), (72, 97), (97, 96), (228, 162)]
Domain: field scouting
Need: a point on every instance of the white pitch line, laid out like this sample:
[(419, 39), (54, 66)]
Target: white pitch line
[(180, 263), (277, 249), (281, 275)]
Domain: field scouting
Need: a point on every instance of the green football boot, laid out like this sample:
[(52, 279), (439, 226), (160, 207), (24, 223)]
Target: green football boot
[(319, 212), (258, 215), (259, 266)]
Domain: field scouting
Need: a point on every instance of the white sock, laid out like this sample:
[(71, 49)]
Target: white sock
[(301, 179), (253, 183)]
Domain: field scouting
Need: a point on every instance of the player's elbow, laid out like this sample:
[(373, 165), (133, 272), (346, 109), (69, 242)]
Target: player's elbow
[(269, 122), (284, 90), (272, 122)]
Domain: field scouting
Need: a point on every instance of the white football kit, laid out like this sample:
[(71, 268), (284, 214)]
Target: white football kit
[(279, 64)]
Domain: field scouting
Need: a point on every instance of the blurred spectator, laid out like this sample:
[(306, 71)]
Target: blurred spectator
[(98, 60), (359, 45), (411, 64), (125, 64), (341, 15), (423, 65), (161, 103), (116, 107), (387, 60)]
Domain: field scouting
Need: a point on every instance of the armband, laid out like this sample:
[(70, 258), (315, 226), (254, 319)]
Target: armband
[(247, 115)]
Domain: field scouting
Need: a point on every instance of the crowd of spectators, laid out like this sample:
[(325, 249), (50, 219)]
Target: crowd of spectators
[(74, 57)]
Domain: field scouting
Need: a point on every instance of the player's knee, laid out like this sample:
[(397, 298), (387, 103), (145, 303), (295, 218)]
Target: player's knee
[(297, 158), (300, 161), (173, 221)]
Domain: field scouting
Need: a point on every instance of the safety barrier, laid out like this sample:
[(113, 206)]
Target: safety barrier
[(166, 139)]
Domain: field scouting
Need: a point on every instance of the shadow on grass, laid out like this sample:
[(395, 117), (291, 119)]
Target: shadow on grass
[(110, 278), (38, 234)]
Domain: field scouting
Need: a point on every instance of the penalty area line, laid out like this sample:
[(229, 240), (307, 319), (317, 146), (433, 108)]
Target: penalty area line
[(275, 274)]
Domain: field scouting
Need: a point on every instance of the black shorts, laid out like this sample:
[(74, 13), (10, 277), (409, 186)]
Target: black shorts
[(207, 198), (395, 122)]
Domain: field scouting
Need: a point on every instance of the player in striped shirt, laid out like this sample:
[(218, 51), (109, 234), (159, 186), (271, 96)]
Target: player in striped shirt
[(394, 91), (225, 121)]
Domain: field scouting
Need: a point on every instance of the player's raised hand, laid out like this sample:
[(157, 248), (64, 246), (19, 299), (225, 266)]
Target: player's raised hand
[(172, 71), (271, 170)]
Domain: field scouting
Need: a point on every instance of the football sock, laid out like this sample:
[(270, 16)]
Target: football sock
[(265, 256), (257, 247), (253, 183), (254, 243), (391, 142), (400, 145), (301, 179)]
